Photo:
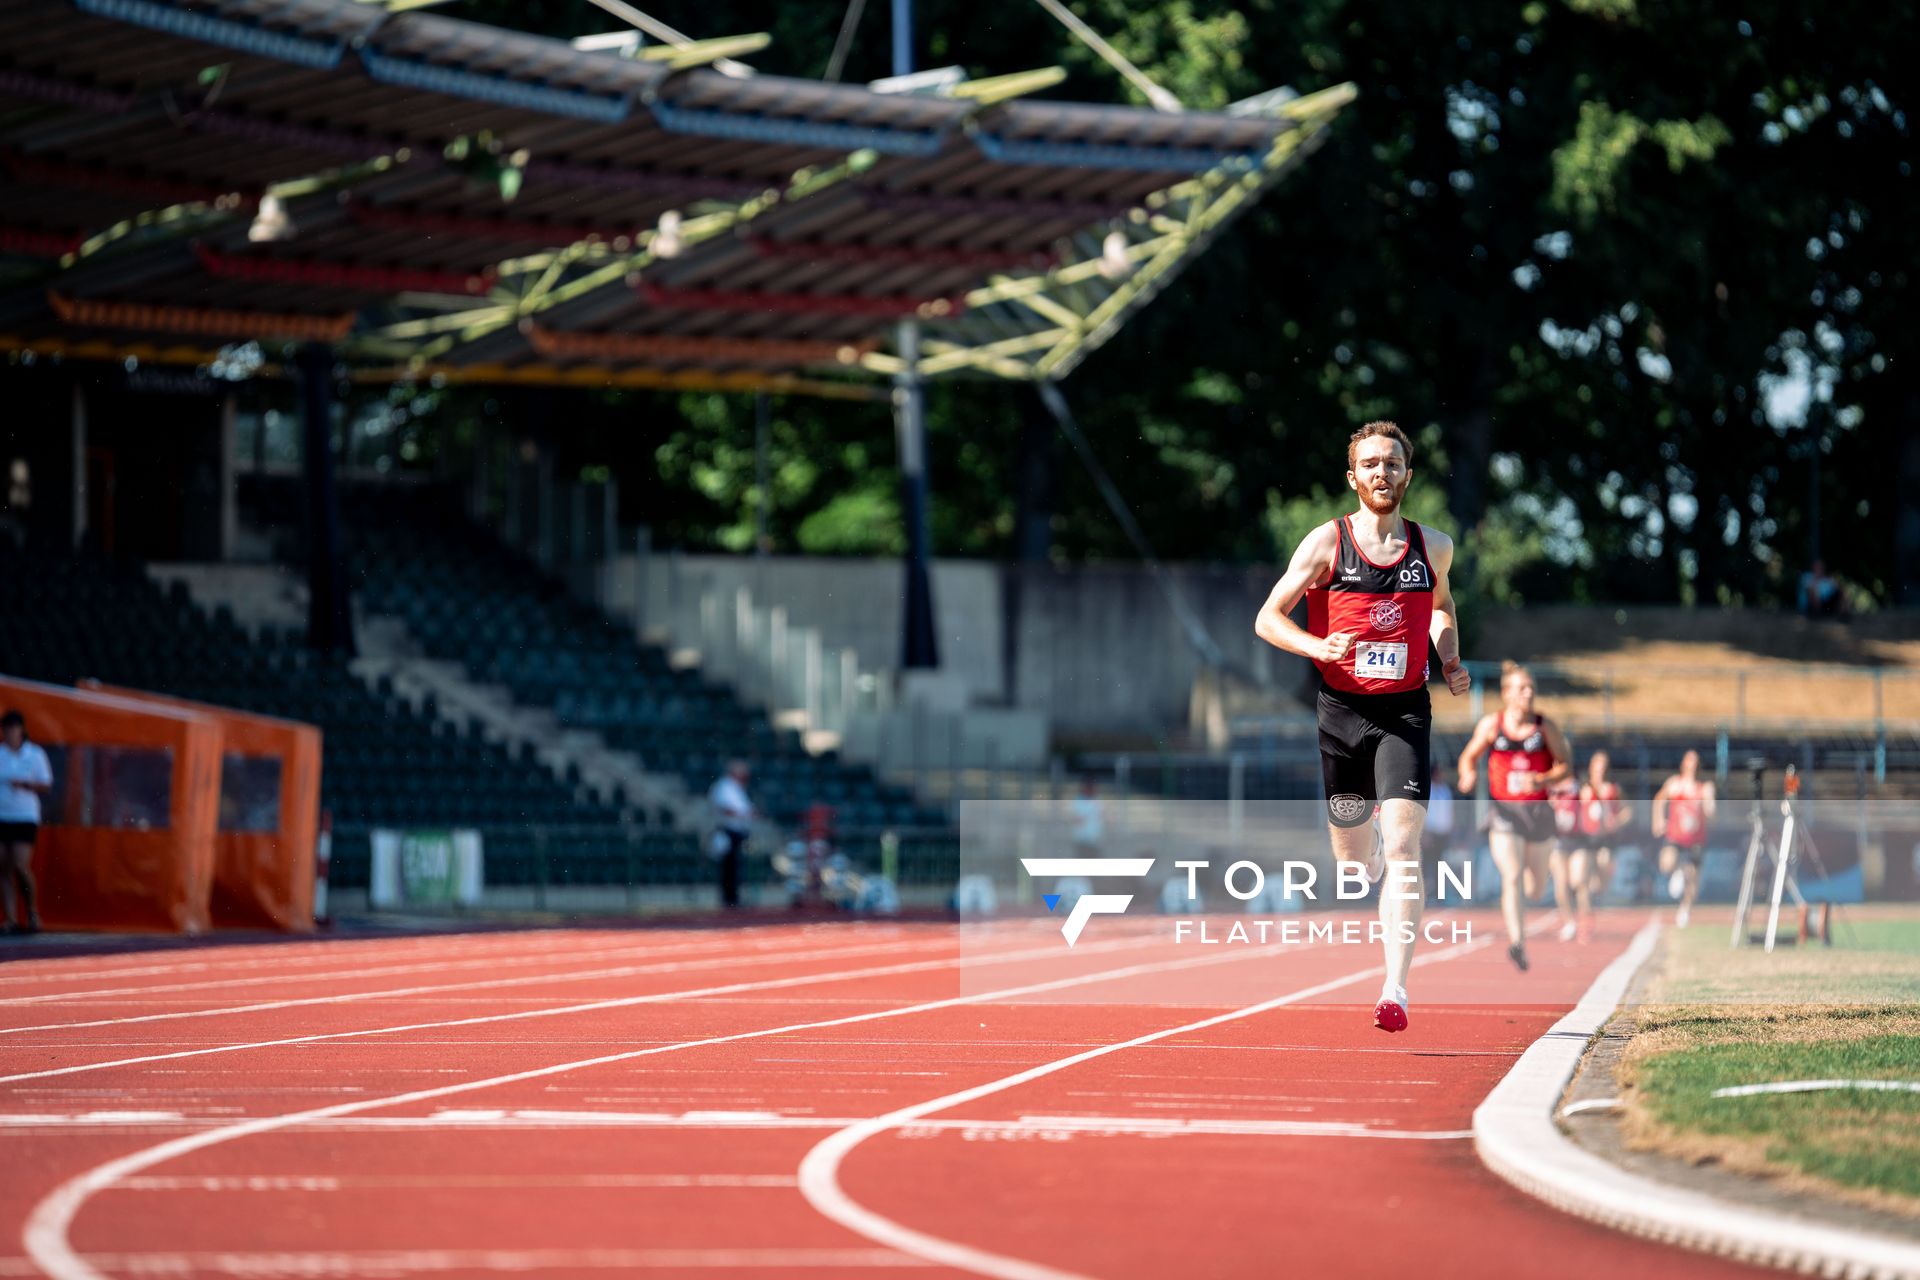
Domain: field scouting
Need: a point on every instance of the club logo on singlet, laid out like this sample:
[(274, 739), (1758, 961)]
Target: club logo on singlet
[(1345, 808), (1413, 574), (1385, 616)]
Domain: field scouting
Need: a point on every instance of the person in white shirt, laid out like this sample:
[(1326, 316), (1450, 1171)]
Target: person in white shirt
[(732, 824), (25, 775)]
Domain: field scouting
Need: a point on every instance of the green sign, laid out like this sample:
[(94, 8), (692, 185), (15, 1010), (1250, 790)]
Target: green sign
[(427, 869)]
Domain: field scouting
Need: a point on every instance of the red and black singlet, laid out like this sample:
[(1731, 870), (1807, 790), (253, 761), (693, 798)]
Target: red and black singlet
[(1686, 815), (1566, 809), (1599, 807), (1387, 608), (1511, 754)]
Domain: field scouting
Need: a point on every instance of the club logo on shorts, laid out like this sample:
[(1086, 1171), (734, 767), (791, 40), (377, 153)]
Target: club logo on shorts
[(1386, 615), (1346, 808)]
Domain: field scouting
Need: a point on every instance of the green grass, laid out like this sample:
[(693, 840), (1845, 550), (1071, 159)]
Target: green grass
[(1717, 1017), (1862, 1140)]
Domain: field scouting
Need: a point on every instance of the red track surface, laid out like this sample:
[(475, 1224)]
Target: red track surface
[(652, 1130)]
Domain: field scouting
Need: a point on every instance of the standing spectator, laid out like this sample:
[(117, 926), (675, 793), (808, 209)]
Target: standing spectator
[(1089, 822), (25, 775), (732, 824)]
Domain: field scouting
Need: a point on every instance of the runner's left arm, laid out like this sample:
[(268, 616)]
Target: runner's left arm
[(1445, 630), (1622, 814), (1562, 753)]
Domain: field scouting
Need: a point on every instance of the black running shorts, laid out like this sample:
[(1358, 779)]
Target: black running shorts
[(1531, 820), (1374, 747), (1689, 853)]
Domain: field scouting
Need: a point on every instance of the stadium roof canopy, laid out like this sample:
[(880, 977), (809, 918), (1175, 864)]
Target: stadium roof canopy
[(204, 181)]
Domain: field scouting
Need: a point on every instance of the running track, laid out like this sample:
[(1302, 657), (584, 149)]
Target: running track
[(791, 1100)]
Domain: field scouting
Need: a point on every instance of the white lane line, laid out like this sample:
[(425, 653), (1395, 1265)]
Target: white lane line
[(279, 1266), (45, 1233), (820, 1169), (286, 954), (503, 946), (46, 1121), (295, 1182), (631, 950), (718, 1121), (724, 960), (1818, 1086), (594, 1006)]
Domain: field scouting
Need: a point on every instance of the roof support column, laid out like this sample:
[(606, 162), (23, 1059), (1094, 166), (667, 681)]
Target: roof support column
[(919, 644), (329, 611)]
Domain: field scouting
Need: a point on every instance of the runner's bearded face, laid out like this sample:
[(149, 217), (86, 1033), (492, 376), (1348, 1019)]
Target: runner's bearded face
[(1379, 475)]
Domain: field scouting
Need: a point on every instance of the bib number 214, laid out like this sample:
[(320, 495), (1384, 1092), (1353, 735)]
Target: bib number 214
[(1379, 661)]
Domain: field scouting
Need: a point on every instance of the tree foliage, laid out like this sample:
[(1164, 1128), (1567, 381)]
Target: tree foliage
[(1638, 277)]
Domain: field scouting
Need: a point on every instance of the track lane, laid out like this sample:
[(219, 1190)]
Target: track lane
[(674, 1145)]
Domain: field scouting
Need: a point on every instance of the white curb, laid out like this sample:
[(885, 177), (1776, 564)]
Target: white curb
[(1514, 1132)]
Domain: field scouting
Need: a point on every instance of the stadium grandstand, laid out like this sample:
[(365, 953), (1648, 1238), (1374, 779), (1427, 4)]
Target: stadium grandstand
[(639, 651)]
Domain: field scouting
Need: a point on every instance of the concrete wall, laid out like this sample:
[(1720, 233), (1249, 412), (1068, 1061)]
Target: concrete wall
[(1104, 653), (1099, 649), (855, 604)]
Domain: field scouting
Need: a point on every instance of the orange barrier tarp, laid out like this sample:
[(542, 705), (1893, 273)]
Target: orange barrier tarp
[(151, 871), (261, 879)]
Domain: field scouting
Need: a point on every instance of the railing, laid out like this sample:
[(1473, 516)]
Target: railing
[(543, 859), (787, 668), (1720, 704), (822, 689)]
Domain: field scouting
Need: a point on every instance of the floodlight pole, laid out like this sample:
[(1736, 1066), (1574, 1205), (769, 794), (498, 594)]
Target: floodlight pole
[(329, 613), (919, 644)]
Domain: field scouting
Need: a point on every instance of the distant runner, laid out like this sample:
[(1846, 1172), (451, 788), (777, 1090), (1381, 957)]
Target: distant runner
[(1603, 814), (1528, 755), (1682, 809), (1377, 592)]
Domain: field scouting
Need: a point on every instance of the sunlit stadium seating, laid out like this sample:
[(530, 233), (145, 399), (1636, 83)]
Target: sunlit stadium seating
[(466, 597)]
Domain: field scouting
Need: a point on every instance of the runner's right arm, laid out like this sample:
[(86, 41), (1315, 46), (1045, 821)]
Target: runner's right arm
[(1312, 564), (1477, 745), (1659, 808)]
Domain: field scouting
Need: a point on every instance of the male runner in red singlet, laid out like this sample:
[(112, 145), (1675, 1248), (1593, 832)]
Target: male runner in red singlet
[(1682, 808), (1602, 816), (1377, 593), (1528, 755)]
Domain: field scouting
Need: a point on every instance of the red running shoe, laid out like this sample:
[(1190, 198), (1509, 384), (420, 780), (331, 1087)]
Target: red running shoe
[(1388, 1015)]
